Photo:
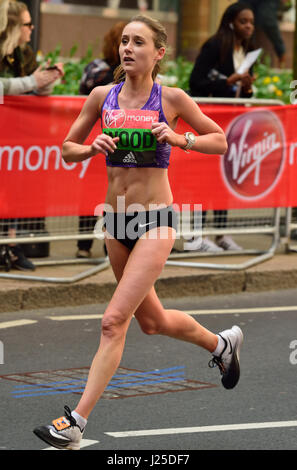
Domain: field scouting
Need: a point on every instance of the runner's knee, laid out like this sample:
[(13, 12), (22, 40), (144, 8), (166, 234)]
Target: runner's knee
[(113, 324)]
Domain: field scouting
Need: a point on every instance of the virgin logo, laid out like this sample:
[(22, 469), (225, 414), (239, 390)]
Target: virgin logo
[(115, 118), (256, 152)]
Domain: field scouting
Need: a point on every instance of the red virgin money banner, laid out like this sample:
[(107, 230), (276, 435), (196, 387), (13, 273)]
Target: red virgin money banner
[(34, 180), (258, 170)]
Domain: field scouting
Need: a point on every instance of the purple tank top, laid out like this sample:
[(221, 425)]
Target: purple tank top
[(137, 146)]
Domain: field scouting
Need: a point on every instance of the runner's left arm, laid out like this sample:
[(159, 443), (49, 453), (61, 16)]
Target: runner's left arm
[(210, 138)]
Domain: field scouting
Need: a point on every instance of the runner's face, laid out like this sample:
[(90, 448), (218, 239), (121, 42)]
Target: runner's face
[(137, 49)]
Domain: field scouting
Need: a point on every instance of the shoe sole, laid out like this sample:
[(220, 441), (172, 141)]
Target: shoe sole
[(42, 433), (227, 383), (20, 268)]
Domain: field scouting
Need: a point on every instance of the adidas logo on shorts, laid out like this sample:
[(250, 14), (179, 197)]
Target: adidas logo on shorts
[(129, 158)]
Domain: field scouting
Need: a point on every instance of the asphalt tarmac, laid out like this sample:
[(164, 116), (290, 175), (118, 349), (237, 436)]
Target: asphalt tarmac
[(164, 396)]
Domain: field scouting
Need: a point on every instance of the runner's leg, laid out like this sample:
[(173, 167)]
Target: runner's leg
[(137, 273), (154, 319)]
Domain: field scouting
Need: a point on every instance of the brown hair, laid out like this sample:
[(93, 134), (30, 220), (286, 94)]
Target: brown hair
[(160, 40), (112, 41)]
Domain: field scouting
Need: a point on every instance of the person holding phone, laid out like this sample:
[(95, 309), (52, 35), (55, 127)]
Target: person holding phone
[(20, 74), (17, 57)]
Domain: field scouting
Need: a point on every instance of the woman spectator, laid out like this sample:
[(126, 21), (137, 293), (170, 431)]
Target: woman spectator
[(215, 75), (19, 73), (17, 58)]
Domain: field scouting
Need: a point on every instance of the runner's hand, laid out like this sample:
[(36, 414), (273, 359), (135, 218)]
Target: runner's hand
[(164, 134), (103, 143)]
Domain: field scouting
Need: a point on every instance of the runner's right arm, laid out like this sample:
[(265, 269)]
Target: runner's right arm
[(74, 149)]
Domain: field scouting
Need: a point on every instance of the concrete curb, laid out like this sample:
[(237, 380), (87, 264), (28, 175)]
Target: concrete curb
[(203, 284)]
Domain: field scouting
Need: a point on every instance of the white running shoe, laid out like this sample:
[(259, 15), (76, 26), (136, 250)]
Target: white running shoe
[(63, 433), (228, 361), (227, 243), (202, 245)]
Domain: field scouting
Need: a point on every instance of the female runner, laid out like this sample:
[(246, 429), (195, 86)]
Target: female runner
[(139, 240)]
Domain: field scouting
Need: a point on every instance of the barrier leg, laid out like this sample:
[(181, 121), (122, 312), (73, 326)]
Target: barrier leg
[(104, 264)]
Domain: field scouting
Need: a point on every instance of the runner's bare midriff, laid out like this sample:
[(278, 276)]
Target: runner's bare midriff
[(143, 186)]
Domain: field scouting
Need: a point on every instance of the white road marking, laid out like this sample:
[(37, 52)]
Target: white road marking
[(288, 308), (97, 316), (84, 443), (189, 312), (201, 429), (11, 324), (76, 317)]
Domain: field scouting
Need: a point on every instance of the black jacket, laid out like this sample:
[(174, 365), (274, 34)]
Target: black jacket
[(207, 77)]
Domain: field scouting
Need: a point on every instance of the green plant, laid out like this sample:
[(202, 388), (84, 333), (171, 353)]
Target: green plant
[(73, 70), (177, 73), (271, 84)]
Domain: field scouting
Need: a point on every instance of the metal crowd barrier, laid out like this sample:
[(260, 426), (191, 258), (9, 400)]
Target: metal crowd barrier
[(239, 101), (55, 229), (259, 222), (250, 222), (291, 229), (244, 222)]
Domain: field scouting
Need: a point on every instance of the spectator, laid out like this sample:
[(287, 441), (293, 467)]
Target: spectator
[(19, 73), (215, 74), (17, 59), (99, 72), (266, 20)]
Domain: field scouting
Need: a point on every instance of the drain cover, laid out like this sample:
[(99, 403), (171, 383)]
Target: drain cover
[(124, 384)]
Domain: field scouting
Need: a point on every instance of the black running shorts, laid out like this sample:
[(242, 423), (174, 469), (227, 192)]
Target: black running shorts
[(127, 228)]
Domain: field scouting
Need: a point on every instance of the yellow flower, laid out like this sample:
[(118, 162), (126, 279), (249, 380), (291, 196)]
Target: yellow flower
[(278, 92), (39, 56), (275, 79), (266, 80)]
